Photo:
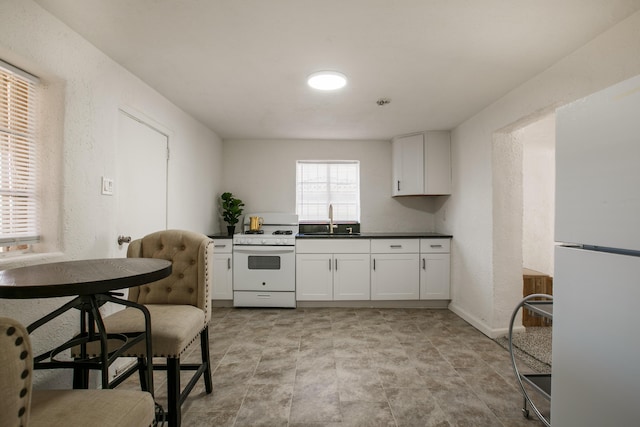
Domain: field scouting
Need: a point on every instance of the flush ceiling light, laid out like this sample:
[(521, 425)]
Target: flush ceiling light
[(327, 80)]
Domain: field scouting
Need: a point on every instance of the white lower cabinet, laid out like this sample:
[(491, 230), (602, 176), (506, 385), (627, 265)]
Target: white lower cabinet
[(395, 269), (329, 270), (372, 269), (351, 277), (314, 277), (222, 287), (435, 267)]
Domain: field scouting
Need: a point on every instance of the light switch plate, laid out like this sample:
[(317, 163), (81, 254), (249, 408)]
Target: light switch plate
[(107, 186)]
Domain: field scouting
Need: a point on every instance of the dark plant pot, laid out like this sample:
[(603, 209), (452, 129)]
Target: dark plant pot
[(231, 229)]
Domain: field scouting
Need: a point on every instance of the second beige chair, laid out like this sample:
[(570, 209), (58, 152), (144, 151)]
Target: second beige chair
[(20, 405), (180, 309)]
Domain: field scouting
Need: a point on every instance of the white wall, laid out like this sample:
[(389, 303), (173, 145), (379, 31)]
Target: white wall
[(84, 90), (538, 194), (262, 173), (484, 273)]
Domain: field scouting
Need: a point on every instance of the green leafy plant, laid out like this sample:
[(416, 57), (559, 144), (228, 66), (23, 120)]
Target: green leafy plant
[(231, 208)]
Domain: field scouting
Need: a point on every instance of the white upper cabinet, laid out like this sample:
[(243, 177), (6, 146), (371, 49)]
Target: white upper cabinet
[(408, 165), (422, 164)]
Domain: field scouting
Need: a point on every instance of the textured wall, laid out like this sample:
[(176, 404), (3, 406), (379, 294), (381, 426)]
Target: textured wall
[(263, 174), (483, 271), (84, 90), (538, 190)]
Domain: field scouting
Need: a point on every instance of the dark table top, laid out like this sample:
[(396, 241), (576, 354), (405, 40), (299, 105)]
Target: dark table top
[(82, 277)]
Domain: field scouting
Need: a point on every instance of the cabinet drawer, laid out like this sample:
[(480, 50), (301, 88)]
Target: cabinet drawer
[(264, 299), (392, 246), (435, 246), (332, 246), (222, 246)]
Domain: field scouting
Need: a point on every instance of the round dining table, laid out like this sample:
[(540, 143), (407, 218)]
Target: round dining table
[(92, 282)]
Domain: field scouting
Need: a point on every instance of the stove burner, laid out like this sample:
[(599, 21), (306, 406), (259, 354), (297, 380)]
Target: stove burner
[(283, 232), (254, 232)]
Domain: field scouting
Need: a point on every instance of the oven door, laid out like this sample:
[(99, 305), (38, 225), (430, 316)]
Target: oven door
[(264, 268)]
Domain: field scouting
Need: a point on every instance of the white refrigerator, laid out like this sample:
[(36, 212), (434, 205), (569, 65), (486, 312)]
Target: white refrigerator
[(596, 317)]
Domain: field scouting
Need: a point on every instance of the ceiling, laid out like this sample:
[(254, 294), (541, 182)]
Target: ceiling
[(240, 66)]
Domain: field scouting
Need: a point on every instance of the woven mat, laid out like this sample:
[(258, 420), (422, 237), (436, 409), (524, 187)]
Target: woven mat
[(532, 346)]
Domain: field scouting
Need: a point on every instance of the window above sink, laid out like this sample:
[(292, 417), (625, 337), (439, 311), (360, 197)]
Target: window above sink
[(324, 183)]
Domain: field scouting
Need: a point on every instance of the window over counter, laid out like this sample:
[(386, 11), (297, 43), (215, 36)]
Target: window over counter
[(18, 159), (320, 183)]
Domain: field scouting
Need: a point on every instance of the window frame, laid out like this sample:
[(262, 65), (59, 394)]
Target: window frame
[(338, 206), (19, 163)]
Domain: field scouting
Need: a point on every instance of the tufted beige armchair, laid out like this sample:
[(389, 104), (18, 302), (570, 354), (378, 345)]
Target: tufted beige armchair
[(22, 406), (180, 309)]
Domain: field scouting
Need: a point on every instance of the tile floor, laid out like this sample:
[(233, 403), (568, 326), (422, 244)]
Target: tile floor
[(352, 367)]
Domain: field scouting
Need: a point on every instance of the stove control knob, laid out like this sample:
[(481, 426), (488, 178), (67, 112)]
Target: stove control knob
[(264, 241)]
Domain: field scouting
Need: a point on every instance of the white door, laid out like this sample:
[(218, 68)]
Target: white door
[(351, 277), (314, 277), (435, 276), (408, 165), (141, 179), (595, 376), (222, 288), (395, 277)]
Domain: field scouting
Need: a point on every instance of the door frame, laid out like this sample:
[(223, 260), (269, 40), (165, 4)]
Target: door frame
[(145, 120)]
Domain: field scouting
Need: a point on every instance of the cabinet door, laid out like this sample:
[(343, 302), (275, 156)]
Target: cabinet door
[(408, 165), (222, 287), (395, 277), (314, 277), (437, 163), (351, 277), (434, 276)]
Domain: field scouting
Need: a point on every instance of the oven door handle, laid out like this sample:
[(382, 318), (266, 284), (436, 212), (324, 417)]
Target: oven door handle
[(264, 249)]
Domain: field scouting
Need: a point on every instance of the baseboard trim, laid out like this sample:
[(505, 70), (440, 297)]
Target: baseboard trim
[(477, 323), (221, 303), (436, 304)]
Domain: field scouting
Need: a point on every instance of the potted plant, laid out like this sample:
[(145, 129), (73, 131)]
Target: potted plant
[(231, 211)]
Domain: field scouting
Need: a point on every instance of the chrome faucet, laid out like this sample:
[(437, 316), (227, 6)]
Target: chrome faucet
[(331, 226)]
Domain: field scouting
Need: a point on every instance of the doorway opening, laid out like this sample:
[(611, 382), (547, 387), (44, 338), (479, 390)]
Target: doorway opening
[(523, 206)]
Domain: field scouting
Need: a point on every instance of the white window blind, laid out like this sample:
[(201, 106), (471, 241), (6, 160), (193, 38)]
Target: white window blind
[(323, 183), (18, 202)]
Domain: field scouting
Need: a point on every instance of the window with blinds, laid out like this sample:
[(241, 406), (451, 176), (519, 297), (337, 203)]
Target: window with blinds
[(18, 192), (323, 183)]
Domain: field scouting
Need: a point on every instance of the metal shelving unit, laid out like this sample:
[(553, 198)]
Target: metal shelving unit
[(540, 304)]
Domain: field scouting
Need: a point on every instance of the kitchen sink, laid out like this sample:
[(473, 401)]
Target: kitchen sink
[(327, 234)]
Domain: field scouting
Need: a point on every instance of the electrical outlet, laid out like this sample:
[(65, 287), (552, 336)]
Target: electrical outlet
[(107, 186)]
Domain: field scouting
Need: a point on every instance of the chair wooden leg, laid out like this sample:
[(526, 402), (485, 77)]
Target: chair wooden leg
[(173, 392), (204, 344)]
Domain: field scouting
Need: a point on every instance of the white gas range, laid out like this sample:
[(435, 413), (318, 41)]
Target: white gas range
[(264, 262)]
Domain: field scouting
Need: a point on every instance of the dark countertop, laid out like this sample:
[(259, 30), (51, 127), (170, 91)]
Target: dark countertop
[(386, 235)]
